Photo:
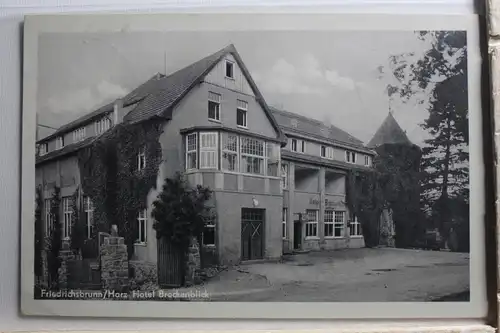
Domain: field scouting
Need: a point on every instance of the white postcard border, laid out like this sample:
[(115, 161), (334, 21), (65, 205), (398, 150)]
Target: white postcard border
[(38, 24)]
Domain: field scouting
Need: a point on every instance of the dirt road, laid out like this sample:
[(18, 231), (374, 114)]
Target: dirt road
[(354, 275)]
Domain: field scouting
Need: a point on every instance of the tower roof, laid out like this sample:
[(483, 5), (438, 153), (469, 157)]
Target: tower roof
[(389, 132)]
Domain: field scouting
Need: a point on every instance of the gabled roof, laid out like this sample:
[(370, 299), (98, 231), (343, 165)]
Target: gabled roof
[(80, 121), (159, 98), (315, 129), (69, 149), (389, 132), (160, 94)]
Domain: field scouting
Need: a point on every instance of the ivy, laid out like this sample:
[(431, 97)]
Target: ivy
[(365, 198), (393, 183), (111, 178), (38, 268), (78, 232), (55, 240)]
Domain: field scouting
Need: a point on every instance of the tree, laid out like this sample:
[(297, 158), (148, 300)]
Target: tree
[(78, 231), (442, 73), (55, 239), (38, 269), (181, 212)]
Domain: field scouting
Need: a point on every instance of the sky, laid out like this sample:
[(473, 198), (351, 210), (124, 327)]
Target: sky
[(331, 76)]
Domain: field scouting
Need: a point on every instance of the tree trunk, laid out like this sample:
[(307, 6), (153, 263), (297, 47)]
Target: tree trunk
[(444, 205)]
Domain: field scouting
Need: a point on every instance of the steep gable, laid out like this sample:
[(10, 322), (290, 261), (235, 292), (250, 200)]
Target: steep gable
[(389, 132), (160, 98), (238, 82)]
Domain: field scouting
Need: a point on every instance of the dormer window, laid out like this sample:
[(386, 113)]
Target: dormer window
[(79, 134), (102, 125), (43, 148), (294, 123), (59, 142), (229, 69), (367, 160), (350, 157)]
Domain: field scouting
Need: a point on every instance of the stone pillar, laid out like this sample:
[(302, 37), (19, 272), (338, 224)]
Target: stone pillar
[(193, 264), (65, 254), (322, 198), (114, 264), (291, 201)]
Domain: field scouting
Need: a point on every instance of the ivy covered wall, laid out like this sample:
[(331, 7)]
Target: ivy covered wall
[(111, 177), (393, 183)]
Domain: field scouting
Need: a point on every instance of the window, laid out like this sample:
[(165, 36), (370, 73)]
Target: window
[(229, 152), (273, 152), (79, 134), (284, 219), (142, 227), (328, 223), (44, 148), (355, 227), (208, 150), (284, 176), (88, 211), (312, 223), (59, 142), (102, 125), (234, 153), (241, 113), (339, 224), (350, 156), (213, 106), (49, 219), (229, 69), (329, 153), (191, 151), (323, 151), (141, 159), (294, 144), (252, 155), (208, 235), (302, 146), (67, 216), (367, 160)]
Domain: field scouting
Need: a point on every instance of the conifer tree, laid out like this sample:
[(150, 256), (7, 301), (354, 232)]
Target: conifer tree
[(181, 212), (441, 72)]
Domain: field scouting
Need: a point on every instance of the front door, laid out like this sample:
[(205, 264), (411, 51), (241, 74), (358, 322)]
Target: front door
[(252, 233), (297, 235)]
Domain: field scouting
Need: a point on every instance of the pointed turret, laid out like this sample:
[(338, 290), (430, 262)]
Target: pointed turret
[(389, 132)]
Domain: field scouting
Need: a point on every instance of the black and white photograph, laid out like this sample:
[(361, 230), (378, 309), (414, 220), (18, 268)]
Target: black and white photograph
[(252, 166)]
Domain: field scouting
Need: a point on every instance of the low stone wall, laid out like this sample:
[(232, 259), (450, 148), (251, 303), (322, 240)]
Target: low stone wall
[(143, 275), (114, 264), (65, 255)]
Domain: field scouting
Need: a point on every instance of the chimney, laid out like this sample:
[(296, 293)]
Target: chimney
[(118, 113)]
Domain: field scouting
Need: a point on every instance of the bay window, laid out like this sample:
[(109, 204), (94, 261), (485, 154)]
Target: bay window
[(208, 150), (229, 152), (273, 159), (252, 155), (191, 151), (235, 153)]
